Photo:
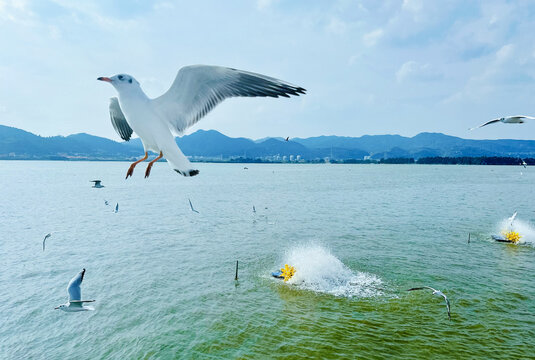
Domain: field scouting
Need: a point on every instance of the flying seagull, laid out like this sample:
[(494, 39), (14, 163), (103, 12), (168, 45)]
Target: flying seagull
[(44, 240), (523, 163), (97, 184), (117, 207), (191, 207), (437, 293), (196, 90), (287, 138), (75, 302), (518, 119)]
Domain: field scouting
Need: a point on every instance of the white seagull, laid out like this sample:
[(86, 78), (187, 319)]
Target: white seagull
[(75, 302), (191, 207), (437, 293), (196, 90), (517, 119), (523, 163)]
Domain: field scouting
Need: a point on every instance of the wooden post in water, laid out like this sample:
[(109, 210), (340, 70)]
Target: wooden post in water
[(469, 238), (236, 277)]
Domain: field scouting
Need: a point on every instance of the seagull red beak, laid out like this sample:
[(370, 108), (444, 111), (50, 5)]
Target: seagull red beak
[(103, 78)]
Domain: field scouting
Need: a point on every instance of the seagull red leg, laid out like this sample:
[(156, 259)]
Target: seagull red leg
[(131, 169), (147, 172)]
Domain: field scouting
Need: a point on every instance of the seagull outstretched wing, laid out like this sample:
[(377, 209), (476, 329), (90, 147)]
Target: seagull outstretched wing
[(74, 290), (435, 292), (118, 120), (485, 124), (198, 89)]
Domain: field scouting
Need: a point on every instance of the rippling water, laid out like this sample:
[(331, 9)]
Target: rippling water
[(163, 276)]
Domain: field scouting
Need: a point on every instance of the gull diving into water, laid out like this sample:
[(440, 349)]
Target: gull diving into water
[(75, 302), (517, 119), (437, 293), (196, 91), (191, 207)]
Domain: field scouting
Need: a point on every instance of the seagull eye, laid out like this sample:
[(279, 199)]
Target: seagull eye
[(120, 77), (130, 81)]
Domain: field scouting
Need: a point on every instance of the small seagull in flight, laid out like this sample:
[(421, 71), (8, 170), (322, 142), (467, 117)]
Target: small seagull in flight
[(287, 138), (194, 93), (518, 119), (97, 184), (523, 163), (44, 240), (191, 207), (116, 207), (75, 302), (437, 293)]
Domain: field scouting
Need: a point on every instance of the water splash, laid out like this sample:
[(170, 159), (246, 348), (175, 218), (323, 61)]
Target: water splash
[(525, 229), (319, 270)]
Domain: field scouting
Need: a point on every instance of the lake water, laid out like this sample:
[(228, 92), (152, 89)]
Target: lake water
[(358, 235)]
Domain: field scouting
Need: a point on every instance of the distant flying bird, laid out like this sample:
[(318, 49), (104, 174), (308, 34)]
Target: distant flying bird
[(106, 202), (518, 119), (191, 207), (75, 302), (437, 293), (523, 163), (117, 207), (287, 138), (44, 240), (196, 90), (97, 184)]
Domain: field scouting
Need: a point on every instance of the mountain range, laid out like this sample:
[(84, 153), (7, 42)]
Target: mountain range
[(206, 145)]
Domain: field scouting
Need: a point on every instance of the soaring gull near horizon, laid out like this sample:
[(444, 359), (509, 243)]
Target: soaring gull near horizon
[(517, 119), (437, 293), (523, 163), (191, 207), (44, 240), (75, 302), (196, 90)]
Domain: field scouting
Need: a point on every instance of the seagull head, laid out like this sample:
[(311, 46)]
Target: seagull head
[(121, 81), (61, 307)]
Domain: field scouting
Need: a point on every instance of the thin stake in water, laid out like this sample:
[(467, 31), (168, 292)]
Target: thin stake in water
[(236, 277), (469, 238)]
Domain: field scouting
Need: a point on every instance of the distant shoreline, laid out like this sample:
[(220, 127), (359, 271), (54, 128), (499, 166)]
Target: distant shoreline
[(480, 160)]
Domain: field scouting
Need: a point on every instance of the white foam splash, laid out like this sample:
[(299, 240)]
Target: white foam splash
[(319, 270), (526, 230)]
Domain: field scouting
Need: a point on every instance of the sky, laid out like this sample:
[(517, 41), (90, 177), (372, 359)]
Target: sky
[(369, 67)]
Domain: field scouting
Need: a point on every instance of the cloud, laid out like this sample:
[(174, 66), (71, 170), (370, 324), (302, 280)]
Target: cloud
[(371, 38), (412, 70), (336, 26), (264, 4)]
